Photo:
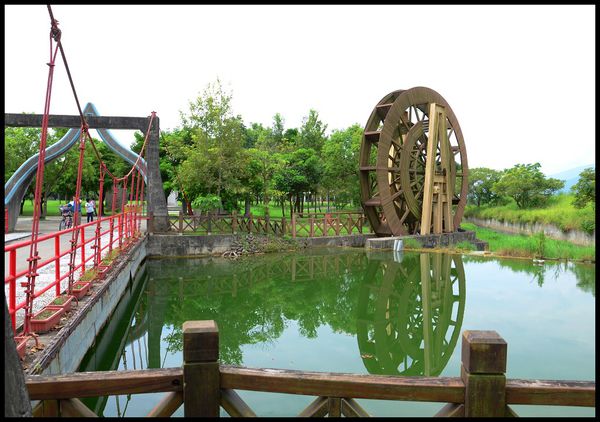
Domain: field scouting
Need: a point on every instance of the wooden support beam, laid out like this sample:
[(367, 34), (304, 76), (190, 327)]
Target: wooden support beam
[(167, 406), (429, 171), (317, 408), (75, 408), (234, 405), (451, 410), (351, 408), (334, 407)]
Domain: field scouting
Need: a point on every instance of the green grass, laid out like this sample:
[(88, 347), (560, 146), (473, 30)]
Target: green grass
[(411, 243), (533, 246), (53, 208), (559, 211)]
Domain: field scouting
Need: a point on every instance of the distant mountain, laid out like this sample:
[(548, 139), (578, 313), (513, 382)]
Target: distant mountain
[(570, 176)]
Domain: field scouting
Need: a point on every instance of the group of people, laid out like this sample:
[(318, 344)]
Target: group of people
[(90, 208)]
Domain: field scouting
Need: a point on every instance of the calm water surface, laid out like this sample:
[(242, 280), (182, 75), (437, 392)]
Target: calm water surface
[(348, 310)]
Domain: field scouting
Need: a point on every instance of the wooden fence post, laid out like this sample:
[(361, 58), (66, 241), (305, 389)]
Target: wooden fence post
[(201, 383), (293, 225), (233, 222), (483, 372), (180, 221), (283, 226), (312, 227)]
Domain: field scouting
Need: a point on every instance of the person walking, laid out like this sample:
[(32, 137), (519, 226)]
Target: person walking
[(78, 213), (89, 209)]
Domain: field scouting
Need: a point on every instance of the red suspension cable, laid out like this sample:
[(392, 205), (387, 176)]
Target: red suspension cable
[(33, 251)]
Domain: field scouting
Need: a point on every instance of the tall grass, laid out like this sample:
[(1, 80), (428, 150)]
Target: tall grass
[(533, 246), (558, 211)]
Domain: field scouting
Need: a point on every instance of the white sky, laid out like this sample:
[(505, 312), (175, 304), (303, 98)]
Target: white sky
[(520, 79)]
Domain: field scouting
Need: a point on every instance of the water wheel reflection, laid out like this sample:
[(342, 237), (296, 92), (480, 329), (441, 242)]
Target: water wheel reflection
[(410, 314)]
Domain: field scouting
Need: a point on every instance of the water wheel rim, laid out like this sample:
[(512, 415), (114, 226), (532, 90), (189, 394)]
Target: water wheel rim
[(398, 122), (367, 177)]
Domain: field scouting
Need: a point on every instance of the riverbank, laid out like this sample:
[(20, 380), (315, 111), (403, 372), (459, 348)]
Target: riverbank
[(527, 246)]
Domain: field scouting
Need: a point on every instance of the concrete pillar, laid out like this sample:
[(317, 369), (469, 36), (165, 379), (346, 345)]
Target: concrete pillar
[(157, 201)]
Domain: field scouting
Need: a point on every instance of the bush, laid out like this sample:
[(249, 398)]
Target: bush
[(588, 226)]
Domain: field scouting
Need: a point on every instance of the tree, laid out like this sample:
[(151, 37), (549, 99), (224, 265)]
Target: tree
[(312, 132), (481, 182), (340, 164), (300, 173), (585, 189), (215, 163), (527, 185)]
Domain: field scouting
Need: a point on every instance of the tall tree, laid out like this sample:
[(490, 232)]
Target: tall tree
[(481, 183), (527, 185), (215, 161), (312, 132)]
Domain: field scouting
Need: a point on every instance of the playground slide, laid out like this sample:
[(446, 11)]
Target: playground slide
[(16, 186)]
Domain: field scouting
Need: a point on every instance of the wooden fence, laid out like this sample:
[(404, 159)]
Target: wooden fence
[(299, 225), (203, 385)]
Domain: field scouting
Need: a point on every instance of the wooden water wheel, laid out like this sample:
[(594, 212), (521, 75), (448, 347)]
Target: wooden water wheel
[(413, 179)]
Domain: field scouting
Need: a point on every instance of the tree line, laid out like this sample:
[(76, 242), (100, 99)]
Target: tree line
[(527, 186), (216, 162)]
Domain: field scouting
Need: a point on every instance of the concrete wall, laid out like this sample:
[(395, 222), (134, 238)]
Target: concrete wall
[(188, 245), (65, 350), (429, 241), (550, 230)]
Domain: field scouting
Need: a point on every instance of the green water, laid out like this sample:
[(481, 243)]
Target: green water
[(347, 310)]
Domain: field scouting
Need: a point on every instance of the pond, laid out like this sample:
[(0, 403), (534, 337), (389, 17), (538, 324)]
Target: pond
[(353, 311)]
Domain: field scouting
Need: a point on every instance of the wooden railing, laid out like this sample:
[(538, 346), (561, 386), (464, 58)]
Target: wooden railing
[(299, 225), (203, 385)]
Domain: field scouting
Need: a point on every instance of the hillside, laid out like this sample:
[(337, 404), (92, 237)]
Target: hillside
[(570, 176)]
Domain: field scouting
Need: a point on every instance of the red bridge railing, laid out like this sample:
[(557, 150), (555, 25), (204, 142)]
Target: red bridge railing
[(122, 228)]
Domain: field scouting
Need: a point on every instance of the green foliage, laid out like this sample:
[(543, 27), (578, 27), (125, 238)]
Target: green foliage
[(481, 182), (215, 162), (89, 275), (410, 243), (340, 165), (465, 245), (540, 244), (527, 185), (207, 203), (558, 211), (530, 246), (585, 189), (110, 257), (312, 132)]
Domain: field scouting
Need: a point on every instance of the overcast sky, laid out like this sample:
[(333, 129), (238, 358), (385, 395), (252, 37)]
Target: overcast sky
[(520, 79)]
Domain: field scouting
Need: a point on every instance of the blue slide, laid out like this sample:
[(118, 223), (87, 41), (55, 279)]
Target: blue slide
[(16, 186)]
